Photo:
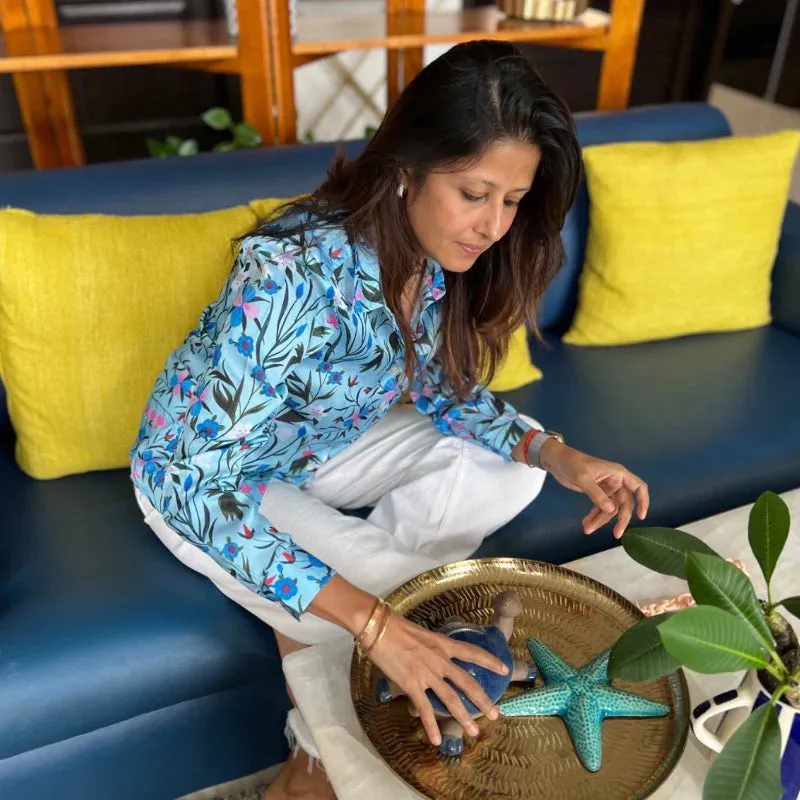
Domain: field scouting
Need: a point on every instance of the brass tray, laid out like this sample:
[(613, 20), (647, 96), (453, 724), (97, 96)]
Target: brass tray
[(525, 757)]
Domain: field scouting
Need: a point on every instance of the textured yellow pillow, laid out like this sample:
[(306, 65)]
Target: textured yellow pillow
[(90, 308), (682, 237)]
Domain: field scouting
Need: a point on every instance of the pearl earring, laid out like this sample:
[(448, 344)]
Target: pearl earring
[(401, 190)]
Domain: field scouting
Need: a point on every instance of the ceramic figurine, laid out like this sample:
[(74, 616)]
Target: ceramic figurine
[(583, 698), (494, 638)]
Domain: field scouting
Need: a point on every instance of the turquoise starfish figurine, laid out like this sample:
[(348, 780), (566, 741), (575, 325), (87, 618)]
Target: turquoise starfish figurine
[(582, 697)]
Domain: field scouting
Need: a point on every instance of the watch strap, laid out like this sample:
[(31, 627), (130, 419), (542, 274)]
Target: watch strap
[(534, 444)]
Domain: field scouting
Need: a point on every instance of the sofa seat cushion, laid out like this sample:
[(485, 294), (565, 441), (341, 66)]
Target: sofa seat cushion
[(708, 421), (99, 623)]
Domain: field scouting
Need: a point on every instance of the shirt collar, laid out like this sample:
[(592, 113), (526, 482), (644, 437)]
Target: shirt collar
[(367, 280), (433, 283)]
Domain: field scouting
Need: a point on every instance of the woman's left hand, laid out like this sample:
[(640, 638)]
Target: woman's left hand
[(614, 490)]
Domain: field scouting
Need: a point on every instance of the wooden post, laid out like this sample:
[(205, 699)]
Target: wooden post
[(620, 55), (403, 16), (283, 66), (45, 98), (256, 67)]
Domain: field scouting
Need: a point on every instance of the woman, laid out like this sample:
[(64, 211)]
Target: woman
[(407, 270)]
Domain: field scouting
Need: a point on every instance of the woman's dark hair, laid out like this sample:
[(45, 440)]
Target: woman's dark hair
[(475, 94)]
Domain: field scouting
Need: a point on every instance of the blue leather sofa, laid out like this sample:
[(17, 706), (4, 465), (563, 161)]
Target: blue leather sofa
[(124, 676)]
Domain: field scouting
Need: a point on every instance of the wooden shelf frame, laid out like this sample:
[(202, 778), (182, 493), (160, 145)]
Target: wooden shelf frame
[(38, 53), (407, 28), (398, 31), (108, 45)]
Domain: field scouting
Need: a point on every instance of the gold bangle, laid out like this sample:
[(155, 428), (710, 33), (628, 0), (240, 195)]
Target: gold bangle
[(383, 608), (384, 625), (371, 622)]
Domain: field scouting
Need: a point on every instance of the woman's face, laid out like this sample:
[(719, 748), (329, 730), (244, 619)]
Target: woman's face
[(457, 215)]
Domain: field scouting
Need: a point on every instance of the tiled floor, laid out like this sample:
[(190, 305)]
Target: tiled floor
[(749, 116)]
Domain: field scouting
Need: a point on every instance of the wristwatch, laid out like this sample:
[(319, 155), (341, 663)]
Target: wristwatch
[(536, 443)]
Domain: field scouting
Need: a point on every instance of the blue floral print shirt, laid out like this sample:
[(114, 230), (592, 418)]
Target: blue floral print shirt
[(296, 358)]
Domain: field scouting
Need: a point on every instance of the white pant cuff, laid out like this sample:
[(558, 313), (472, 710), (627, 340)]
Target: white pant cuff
[(298, 734)]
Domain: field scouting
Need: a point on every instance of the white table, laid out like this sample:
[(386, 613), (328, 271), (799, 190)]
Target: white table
[(319, 676)]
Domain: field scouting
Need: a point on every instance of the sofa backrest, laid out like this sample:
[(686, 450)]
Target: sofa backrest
[(212, 181)]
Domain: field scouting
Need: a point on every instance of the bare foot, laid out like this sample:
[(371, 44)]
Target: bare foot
[(295, 782)]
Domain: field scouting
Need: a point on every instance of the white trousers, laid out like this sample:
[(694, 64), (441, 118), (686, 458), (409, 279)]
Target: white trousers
[(434, 499)]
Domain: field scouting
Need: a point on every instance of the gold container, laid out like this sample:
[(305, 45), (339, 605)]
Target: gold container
[(543, 10), (531, 758)]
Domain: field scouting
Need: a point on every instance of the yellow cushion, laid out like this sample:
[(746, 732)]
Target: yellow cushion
[(682, 237), (517, 369), (90, 308)]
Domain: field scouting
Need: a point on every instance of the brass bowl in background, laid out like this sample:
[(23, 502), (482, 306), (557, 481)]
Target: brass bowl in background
[(543, 10), (525, 757)]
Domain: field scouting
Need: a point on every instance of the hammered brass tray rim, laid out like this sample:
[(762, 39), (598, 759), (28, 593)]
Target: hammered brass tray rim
[(403, 594)]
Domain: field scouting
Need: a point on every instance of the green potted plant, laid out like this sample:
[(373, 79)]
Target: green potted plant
[(219, 119), (728, 629)]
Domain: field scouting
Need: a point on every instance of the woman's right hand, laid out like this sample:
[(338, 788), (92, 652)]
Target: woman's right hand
[(417, 659)]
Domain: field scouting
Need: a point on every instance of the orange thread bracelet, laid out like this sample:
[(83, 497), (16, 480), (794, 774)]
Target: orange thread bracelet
[(527, 443)]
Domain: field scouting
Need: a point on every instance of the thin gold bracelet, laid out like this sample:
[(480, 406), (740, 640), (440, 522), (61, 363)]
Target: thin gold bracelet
[(384, 625), (371, 622)]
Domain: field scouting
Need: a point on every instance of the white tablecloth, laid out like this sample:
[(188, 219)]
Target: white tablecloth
[(319, 676)]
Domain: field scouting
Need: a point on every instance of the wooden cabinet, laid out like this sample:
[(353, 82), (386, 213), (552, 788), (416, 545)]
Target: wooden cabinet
[(407, 27), (59, 86), (41, 55)]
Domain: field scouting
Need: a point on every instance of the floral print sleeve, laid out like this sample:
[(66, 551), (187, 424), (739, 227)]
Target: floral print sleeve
[(263, 324), (482, 417)]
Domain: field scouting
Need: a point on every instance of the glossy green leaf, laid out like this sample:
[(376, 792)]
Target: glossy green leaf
[(639, 654), (710, 640), (246, 135), (749, 766), (767, 531), (224, 147), (156, 148), (189, 147), (218, 118), (792, 605), (662, 549), (716, 582)]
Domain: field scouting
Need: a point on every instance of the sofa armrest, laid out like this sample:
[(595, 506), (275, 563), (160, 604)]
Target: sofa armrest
[(786, 273)]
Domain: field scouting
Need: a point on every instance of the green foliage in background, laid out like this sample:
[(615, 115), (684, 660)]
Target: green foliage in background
[(219, 119)]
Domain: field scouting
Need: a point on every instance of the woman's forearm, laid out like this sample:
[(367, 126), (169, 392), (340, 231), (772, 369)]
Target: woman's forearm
[(343, 604)]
